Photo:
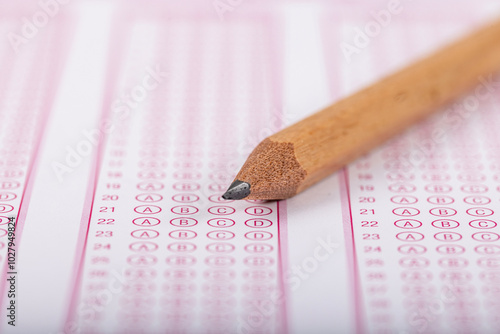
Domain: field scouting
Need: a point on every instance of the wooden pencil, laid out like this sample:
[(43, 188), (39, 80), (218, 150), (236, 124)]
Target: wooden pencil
[(295, 158)]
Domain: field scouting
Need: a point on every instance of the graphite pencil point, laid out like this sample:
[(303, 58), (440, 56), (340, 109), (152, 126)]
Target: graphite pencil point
[(237, 190)]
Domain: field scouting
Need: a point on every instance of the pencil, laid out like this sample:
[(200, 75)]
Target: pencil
[(286, 163)]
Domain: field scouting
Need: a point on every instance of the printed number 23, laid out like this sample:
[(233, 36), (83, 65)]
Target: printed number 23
[(104, 233)]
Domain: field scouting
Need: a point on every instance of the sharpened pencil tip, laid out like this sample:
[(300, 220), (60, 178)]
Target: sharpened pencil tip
[(237, 190)]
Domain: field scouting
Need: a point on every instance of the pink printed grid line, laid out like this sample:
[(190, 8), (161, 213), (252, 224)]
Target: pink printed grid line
[(56, 66), (350, 243), (283, 261), (114, 62), (56, 71)]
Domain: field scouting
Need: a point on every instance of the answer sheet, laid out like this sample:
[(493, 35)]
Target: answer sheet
[(122, 123)]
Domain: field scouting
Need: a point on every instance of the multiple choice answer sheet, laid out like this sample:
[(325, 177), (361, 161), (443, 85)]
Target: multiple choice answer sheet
[(123, 123)]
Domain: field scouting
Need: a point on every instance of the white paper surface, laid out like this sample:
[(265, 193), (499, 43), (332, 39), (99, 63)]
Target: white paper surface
[(123, 123)]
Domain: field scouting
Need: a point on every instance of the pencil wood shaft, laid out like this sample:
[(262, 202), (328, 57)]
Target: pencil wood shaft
[(293, 159)]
